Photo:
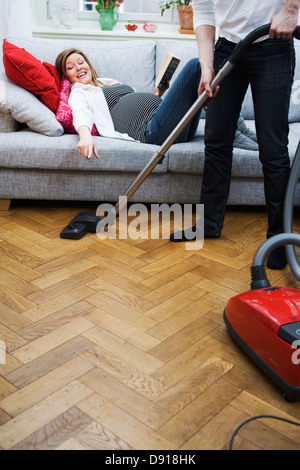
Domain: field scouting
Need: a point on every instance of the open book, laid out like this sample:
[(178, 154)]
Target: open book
[(167, 69)]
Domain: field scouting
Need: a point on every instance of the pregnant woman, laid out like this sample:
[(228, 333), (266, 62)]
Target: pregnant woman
[(118, 111)]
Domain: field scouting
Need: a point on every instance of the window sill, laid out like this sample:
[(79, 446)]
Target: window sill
[(119, 32)]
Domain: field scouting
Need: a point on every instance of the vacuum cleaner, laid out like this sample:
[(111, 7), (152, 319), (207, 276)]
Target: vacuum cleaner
[(86, 222), (265, 322)]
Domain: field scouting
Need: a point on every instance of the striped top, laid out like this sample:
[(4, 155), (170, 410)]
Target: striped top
[(130, 110)]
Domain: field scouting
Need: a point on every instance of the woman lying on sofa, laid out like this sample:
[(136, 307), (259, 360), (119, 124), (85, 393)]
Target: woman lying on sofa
[(118, 111)]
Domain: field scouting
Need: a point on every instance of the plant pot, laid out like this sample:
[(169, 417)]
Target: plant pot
[(185, 14), (108, 19)]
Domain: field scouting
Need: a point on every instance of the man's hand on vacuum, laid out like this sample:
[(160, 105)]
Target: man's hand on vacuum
[(284, 23)]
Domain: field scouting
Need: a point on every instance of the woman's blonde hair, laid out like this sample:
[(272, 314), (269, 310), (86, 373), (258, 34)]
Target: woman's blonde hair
[(61, 61)]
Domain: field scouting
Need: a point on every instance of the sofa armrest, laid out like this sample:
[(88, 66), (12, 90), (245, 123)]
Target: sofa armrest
[(8, 123)]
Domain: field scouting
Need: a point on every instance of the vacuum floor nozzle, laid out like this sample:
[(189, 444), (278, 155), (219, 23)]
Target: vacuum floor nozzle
[(83, 223)]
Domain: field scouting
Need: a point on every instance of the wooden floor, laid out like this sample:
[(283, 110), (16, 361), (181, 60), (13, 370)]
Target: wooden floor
[(121, 344)]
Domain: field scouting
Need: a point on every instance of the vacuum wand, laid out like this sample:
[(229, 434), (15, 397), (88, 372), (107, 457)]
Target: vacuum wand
[(158, 157)]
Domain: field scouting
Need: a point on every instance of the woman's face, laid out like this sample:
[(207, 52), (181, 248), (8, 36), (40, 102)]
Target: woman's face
[(77, 70)]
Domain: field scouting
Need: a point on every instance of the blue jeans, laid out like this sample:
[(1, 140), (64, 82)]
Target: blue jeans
[(268, 67), (176, 103)]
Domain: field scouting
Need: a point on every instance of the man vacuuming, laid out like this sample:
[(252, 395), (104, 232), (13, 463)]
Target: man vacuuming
[(268, 67)]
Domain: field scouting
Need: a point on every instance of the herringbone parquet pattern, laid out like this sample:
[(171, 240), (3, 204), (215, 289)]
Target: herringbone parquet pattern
[(120, 344)]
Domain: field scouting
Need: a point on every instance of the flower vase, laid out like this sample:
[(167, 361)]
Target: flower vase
[(108, 19), (185, 14)]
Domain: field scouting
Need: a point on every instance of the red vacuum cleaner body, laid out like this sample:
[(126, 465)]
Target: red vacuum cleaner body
[(266, 324)]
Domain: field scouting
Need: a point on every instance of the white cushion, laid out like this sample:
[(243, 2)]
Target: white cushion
[(24, 107)]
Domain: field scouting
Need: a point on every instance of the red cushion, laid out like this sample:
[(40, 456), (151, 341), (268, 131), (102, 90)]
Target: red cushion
[(53, 71), (29, 73), (64, 112)]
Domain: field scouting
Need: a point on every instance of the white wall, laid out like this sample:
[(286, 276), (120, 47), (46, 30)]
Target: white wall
[(3, 33), (15, 18)]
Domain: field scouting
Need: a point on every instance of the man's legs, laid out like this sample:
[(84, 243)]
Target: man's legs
[(271, 71), (269, 66), (221, 123)]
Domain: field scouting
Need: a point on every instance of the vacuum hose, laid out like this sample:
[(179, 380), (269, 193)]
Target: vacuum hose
[(252, 37), (288, 213), (258, 273)]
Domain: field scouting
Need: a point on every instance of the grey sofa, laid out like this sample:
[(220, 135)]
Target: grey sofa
[(39, 161)]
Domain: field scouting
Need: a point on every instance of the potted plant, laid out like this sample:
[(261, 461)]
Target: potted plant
[(185, 13), (108, 17)]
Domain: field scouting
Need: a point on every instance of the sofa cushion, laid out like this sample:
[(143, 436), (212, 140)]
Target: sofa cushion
[(26, 108), (28, 72), (131, 62), (294, 111), (60, 153), (189, 157), (7, 123), (182, 49), (186, 51), (247, 106), (64, 113), (294, 114), (294, 131)]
